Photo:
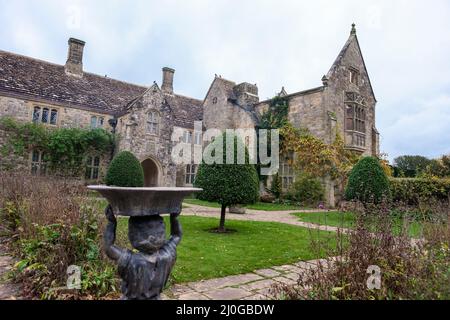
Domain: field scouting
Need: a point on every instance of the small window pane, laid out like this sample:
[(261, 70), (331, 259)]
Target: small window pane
[(35, 156), (53, 116), (36, 114), (96, 161), (45, 115), (93, 122), (95, 173), (100, 122)]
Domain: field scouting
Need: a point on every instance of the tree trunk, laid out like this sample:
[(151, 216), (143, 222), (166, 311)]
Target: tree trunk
[(222, 219)]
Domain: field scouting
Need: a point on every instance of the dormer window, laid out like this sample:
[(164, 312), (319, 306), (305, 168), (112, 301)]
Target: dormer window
[(354, 76)]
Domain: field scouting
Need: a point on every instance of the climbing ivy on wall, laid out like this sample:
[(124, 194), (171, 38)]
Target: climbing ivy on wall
[(277, 115), (65, 148), (312, 155)]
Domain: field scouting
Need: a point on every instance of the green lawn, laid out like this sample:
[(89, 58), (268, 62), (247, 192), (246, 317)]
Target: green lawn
[(257, 206), (347, 220), (255, 245)]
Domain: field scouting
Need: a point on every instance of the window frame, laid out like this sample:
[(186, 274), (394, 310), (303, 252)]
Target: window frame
[(354, 76), (153, 122), (286, 173), (190, 173), (93, 166), (187, 137), (49, 114), (38, 167)]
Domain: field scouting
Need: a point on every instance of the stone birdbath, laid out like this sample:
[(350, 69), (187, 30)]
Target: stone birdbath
[(145, 270)]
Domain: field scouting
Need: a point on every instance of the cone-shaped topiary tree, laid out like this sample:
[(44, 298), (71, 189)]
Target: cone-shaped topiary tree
[(368, 182), (125, 171), (227, 183)]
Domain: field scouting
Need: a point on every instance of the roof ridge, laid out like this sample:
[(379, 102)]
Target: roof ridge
[(183, 96), (62, 66)]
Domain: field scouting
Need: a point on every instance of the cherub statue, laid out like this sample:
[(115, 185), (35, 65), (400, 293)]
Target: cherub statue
[(144, 273)]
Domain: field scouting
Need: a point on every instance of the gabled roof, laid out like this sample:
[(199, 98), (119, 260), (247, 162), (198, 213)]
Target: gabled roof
[(185, 110), (36, 79), (227, 86), (25, 77), (353, 38)]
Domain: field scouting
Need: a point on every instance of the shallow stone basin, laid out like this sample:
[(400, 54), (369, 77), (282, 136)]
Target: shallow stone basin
[(144, 201)]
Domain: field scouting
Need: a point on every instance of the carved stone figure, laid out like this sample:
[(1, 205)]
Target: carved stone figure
[(144, 273)]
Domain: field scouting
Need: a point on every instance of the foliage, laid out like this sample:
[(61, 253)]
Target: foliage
[(306, 190), (315, 157), (367, 182), (52, 226), (413, 191), (65, 148), (277, 114), (438, 167), (408, 271), (228, 184), (411, 166), (125, 171), (276, 187)]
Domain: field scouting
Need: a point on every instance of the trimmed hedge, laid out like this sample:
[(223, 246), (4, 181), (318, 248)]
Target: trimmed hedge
[(125, 171), (414, 190), (367, 182)]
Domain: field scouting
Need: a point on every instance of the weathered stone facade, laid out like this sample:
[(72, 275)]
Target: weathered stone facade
[(148, 116)]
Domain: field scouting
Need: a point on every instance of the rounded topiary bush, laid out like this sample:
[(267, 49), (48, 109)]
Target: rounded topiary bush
[(228, 184), (125, 171), (368, 182)]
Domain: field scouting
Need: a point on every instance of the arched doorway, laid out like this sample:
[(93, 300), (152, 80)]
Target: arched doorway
[(151, 173)]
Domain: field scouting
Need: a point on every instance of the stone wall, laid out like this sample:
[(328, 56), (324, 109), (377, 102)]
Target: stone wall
[(135, 138), (339, 83), (222, 112), (22, 110)]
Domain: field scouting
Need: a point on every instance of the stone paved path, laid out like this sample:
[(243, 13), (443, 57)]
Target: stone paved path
[(250, 286), (258, 215), (8, 291)]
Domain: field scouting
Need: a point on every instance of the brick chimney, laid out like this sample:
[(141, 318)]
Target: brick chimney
[(167, 84), (74, 64)]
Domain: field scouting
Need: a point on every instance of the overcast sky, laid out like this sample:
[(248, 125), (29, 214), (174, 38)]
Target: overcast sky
[(406, 45)]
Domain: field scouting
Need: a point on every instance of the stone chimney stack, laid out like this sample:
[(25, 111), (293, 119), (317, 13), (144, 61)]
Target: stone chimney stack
[(74, 64), (167, 84), (246, 95)]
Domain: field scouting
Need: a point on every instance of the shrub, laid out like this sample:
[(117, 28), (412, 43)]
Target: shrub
[(52, 225), (276, 187), (125, 171), (367, 182), (227, 184), (413, 191), (410, 270), (306, 190)]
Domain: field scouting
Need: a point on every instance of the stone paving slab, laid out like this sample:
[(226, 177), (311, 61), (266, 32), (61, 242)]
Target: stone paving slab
[(268, 273), (256, 285), (228, 294)]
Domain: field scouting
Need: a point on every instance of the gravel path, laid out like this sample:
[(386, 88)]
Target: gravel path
[(258, 215)]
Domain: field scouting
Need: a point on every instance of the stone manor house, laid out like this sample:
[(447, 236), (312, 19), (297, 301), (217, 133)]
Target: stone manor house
[(144, 117)]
